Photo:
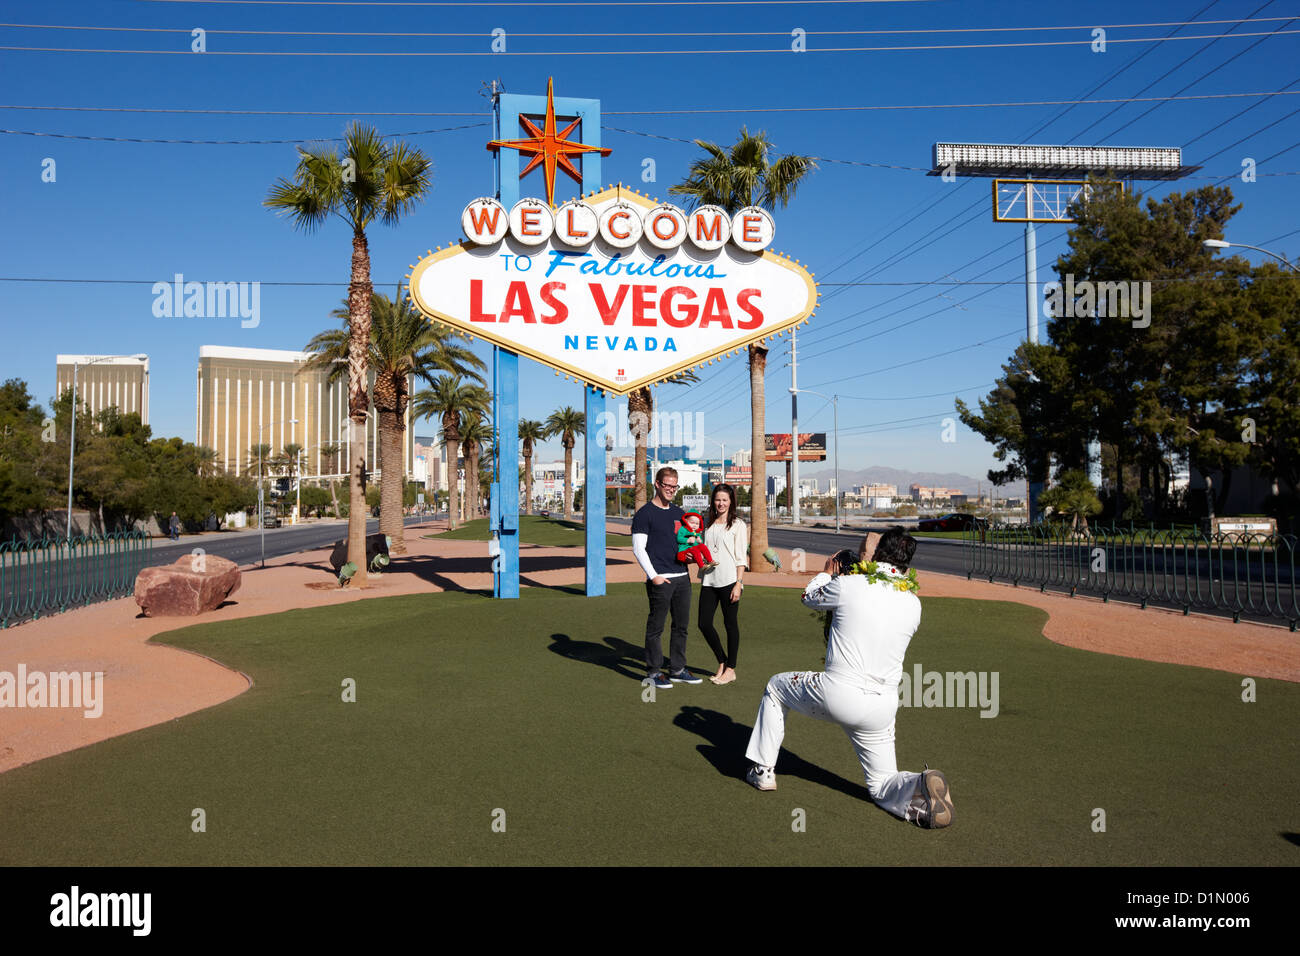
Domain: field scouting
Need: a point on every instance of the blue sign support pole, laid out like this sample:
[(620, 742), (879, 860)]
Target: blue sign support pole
[(593, 497), (505, 426)]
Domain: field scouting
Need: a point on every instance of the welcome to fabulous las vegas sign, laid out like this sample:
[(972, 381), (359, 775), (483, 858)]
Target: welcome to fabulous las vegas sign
[(614, 288)]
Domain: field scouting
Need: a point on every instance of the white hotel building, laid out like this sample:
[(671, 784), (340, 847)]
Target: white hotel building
[(242, 388), (106, 381)]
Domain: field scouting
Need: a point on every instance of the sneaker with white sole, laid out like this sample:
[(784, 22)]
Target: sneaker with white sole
[(659, 680), (932, 800), (761, 778), (684, 676)]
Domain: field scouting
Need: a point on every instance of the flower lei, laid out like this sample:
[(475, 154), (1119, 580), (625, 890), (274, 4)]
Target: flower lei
[(874, 571), (880, 571)]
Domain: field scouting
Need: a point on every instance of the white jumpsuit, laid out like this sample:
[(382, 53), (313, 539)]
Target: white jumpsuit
[(872, 626)]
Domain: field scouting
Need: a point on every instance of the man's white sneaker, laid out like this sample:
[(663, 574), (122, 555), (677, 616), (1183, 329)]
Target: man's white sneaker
[(932, 801), (761, 778)]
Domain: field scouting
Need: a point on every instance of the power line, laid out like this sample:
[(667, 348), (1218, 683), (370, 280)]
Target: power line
[(226, 142), (1237, 116), (1172, 69), (563, 53), (537, 3), (924, 358), (665, 112), (649, 33), (1203, 76)]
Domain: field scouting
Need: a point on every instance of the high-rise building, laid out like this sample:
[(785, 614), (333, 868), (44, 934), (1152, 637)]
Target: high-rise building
[(106, 381), (241, 388)]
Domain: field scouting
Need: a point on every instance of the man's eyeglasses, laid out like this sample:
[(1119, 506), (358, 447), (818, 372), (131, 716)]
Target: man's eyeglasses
[(667, 487)]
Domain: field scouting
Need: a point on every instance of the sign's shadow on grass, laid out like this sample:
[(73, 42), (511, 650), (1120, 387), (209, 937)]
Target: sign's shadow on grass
[(726, 745)]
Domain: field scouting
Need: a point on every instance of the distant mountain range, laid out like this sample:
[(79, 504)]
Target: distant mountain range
[(903, 479)]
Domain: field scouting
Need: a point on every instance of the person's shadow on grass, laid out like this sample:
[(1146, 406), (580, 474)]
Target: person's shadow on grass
[(627, 660), (726, 745)]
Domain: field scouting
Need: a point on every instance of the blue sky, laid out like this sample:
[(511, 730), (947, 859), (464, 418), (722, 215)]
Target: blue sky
[(142, 212)]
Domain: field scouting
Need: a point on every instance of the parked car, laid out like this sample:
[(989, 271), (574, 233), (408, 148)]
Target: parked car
[(270, 519), (954, 521)]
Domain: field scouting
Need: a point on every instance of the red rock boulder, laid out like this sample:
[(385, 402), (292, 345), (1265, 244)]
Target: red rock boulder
[(193, 585)]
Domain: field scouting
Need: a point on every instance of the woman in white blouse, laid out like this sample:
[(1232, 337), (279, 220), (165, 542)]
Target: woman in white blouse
[(727, 540)]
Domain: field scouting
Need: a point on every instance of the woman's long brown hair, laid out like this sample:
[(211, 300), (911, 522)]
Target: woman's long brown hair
[(713, 497)]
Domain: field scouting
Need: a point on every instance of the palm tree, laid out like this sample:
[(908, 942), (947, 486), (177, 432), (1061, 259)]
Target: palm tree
[(206, 461), (486, 470), (371, 180), (402, 343), (640, 422), (568, 423), (475, 435), (330, 451), (450, 399), (287, 460), (529, 432), (259, 456), (733, 180)]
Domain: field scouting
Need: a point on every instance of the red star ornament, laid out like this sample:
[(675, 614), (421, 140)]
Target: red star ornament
[(548, 148)]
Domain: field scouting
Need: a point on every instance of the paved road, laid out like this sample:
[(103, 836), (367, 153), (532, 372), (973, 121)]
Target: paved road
[(245, 547), (32, 586), (947, 556)]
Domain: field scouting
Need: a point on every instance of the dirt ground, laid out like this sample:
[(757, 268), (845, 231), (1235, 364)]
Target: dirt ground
[(147, 684)]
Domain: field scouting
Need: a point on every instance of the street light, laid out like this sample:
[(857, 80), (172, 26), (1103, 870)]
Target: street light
[(1224, 244), (835, 404), (261, 517), (723, 446)]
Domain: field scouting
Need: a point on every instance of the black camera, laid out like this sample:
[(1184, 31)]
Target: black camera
[(844, 560)]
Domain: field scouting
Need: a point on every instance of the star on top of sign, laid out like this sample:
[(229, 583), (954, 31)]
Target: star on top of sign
[(549, 148)]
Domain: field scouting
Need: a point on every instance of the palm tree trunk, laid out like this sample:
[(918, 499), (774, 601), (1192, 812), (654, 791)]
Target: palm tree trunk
[(453, 483), (471, 480), (757, 461), (568, 481), (638, 404), (391, 481), (528, 481), (359, 293)]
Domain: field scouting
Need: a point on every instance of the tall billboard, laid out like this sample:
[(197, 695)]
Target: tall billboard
[(780, 447)]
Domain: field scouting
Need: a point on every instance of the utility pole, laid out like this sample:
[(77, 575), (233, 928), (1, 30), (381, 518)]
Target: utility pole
[(794, 431)]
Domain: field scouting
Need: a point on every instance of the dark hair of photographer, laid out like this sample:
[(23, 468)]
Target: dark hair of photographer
[(895, 547)]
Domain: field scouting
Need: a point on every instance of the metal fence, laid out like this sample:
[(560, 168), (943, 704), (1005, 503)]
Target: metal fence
[(1243, 574), (44, 576)]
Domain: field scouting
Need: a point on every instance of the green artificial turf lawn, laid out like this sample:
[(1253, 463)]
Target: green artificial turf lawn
[(467, 705), (533, 529)]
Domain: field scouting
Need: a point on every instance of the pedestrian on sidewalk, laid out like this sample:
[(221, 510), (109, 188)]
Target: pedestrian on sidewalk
[(728, 542), (174, 527), (668, 584)]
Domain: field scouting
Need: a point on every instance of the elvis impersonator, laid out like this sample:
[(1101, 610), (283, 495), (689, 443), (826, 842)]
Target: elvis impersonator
[(875, 613)]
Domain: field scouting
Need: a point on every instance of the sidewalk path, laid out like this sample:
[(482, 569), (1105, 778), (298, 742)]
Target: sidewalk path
[(146, 684)]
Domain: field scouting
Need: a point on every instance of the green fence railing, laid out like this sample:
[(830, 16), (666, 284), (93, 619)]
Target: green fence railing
[(47, 575), (1243, 574)]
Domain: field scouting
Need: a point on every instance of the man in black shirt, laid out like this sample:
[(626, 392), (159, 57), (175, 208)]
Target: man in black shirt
[(668, 583)]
